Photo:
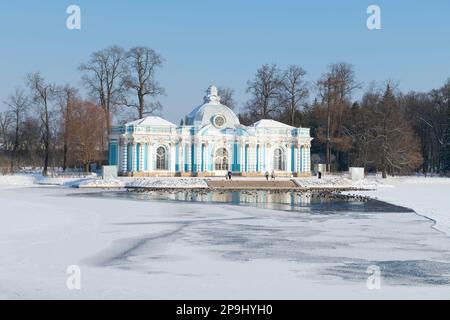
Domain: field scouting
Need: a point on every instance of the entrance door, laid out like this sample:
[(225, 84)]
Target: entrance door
[(221, 161)]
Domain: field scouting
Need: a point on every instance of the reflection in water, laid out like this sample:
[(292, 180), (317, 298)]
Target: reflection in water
[(236, 197), (311, 202)]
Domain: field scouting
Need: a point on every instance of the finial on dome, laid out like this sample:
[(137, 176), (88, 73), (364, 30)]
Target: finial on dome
[(212, 95)]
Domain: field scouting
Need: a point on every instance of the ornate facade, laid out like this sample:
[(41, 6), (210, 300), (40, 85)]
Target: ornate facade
[(210, 142)]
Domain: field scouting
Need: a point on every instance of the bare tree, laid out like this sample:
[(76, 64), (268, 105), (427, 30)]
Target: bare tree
[(335, 88), (31, 139), (88, 124), (142, 64), (42, 93), (361, 128), (5, 124), (294, 90), (17, 104), (265, 91), (66, 97), (227, 97), (102, 76)]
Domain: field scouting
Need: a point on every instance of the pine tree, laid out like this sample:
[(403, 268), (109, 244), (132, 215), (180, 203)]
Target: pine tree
[(398, 147)]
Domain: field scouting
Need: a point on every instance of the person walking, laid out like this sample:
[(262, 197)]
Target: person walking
[(273, 174), (229, 174), (267, 175)]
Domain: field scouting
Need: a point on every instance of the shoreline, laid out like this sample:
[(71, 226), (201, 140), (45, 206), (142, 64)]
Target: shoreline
[(234, 189)]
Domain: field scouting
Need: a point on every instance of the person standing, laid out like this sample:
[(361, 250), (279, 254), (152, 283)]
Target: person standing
[(229, 174), (267, 175), (273, 174)]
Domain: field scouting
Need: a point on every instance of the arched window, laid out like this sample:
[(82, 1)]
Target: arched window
[(278, 160), (161, 159), (221, 159)]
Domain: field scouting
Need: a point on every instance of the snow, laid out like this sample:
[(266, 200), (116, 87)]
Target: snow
[(429, 197), (269, 123), (36, 179), (167, 183), (151, 121), (332, 181), (96, 182), (176, 250)]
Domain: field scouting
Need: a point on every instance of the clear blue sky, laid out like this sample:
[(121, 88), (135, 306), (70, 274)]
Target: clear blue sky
[(224, 42)]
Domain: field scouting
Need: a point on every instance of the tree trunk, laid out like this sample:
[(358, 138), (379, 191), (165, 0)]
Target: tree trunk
[(46, 141), (383, 152), (65, 157), (14, 157), (108, 121), (141, 106), (293, 109), (328, 138), (66, 131)]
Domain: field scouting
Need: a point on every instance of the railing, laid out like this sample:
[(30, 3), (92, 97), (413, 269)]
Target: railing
[(299, 132), (142, 129)]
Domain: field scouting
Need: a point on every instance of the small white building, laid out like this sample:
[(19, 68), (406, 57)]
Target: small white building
[(209, 143)]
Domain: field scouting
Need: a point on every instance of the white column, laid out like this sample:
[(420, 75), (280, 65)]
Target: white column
[(287, 165), (172, 157), (188, 157), (307, 160), (198, 156), (133, 157), (141, 157), (124, 154), (149, 157), (241, 160), (181, 146), (300, 158), (206, 155), (258, 158)]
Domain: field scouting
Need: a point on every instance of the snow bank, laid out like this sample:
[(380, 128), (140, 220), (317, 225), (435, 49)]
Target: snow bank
[(336, 182), (168, 183), (36, 179), (18, 180), (100, 183), (144, 183)]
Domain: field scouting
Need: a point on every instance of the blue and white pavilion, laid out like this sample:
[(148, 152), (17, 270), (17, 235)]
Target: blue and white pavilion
[(209, 143)]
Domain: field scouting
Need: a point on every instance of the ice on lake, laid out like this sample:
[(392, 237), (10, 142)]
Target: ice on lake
[(154, 248)]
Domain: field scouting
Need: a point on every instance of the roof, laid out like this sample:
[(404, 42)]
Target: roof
[(211, 107), (268, 123), (151, 121)]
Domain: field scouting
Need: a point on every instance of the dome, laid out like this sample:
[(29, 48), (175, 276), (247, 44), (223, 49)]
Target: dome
[(212, 112)]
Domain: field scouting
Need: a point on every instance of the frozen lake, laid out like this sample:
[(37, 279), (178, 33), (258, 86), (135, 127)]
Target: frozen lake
[(128, 248)]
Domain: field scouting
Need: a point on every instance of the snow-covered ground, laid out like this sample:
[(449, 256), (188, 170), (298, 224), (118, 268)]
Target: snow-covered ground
[(139, 249), (93, 181)]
